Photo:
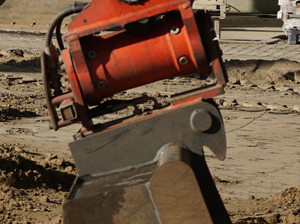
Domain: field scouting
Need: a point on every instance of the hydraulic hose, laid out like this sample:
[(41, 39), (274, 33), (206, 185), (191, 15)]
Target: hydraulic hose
[(75, 8), (58, 35)]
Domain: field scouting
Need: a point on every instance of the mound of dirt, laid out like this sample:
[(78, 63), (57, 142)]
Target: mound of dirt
[(19, 61), (281, 208), (260, 72), (20, 98), (288, 196), (32, 186), (23, 169)]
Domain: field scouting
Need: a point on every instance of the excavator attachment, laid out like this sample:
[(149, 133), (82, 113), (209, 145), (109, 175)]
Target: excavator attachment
[(150, 171), (149, 166), (177, 188)]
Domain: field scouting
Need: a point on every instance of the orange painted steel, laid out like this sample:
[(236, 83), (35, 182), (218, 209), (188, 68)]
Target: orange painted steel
[(150, 41), (112, 63)]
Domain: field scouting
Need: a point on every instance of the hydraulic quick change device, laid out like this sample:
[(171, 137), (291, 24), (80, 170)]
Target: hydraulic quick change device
[(146, 167)]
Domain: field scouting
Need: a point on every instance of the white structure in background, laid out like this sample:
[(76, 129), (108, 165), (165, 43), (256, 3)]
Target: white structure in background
[(212, 5), (218, 6), (290, 15)]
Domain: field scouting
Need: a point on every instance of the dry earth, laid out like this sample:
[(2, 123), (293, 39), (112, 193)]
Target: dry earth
[(259, 182)]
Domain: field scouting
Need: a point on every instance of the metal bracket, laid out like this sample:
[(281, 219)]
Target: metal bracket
[(136, 143)]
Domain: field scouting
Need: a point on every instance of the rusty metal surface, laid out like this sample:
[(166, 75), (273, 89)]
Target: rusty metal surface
[(183, 179), (178, 189), (137, 143), (118, 198)]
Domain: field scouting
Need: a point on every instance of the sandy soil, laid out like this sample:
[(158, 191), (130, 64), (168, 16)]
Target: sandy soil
[(259, 182)]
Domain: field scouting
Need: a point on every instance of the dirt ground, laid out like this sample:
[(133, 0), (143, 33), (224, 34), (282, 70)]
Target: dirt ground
[(259, 181)]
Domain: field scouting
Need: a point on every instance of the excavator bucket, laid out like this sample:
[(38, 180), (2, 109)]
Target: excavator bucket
[(126, 177), (177, 189)]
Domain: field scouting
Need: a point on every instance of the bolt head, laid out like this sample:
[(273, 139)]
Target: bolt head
[(92, 54), (183, 60), (101, 84), (201, 120), (174, 30)]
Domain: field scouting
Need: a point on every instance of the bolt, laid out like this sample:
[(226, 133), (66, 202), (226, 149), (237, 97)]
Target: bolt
[(91, 54), (174, 30), (101, 84), (201, 120), (183, 60), (60, 60)]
